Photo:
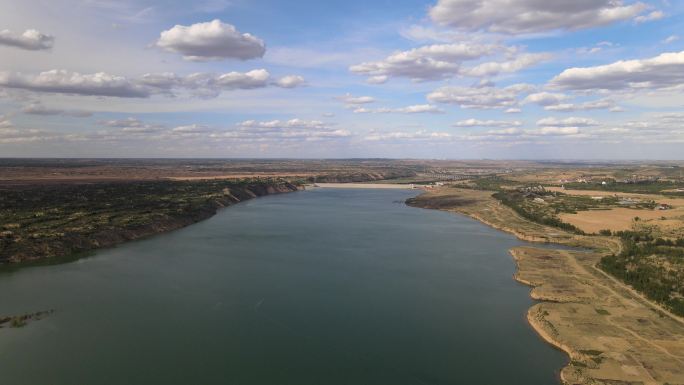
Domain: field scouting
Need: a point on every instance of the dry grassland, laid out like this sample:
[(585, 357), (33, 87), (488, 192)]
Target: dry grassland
[(612, 334)]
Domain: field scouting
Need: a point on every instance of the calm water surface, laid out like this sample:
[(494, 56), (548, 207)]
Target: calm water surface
[(317, 287)]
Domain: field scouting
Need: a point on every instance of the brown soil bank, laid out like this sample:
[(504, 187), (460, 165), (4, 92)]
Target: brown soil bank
[(47, 221), (612, 334)]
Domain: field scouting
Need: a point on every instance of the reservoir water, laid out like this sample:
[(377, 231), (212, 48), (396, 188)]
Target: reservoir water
[(309, 288)]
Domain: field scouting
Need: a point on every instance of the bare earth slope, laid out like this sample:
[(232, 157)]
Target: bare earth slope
[(612, 334)]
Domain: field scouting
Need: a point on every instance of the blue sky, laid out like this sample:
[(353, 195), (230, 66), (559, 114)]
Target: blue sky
[(530, 79)]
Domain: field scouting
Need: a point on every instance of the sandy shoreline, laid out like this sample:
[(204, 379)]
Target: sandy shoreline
[(610, 333), (395, 186)]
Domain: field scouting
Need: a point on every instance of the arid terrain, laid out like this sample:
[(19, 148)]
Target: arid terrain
[(612, 333)]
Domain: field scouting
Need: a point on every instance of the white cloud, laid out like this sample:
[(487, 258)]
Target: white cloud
[(10, 135), (513, 135), (546, 98), (39, 109), (162, 81), (191, 129), (506, 131), (555, 131), (654, 15), (670, 39), (201, 84), (133, 126), (5, 123), (561, 103), (567, 122), (663, 71), (430, 62), (279, 124), (421, 33), (290, 81), (601, 104), (481, 97), (247, 80), (31, 39), (65, 82), (378, 79), (212, 40), (487, 123), (421, 135), (514, 65), (420, 109), (207, 85), (355, 100), (284, 130), (531, 16), (415, 109)]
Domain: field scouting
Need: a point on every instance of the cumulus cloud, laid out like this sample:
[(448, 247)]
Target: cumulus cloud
[(663, 71), (546, 98), (66, 82), (532, 16), (5, 123), (555, 131), (282, 123), (284, 130), (10, 135), (246, 80), (31, 40), (415, 109), (290, 81), (208, 84), (201, 84), (487, 123), (39, 109), (514, 65), (651, 128), (212, 40), (191, 129), (562, 103), (421, 135), (432, 62), (378, 79), (349, 99), (567, 122), (132, 126), (480, 97), (601, 104)]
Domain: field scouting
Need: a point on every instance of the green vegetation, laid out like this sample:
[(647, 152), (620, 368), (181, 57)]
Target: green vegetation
[(22, 320), (653, 266), (647, 187), (541, 206), (491, 183), (48, 220), (529, 209)]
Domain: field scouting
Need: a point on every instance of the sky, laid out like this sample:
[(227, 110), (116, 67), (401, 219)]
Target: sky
[(439, 79)]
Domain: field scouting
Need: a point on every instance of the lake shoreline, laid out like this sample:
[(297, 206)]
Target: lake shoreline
[(70, 245), (546, 279), (572, 291), (224, 275)]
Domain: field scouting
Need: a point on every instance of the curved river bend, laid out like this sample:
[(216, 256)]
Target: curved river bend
[(317, 287)]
